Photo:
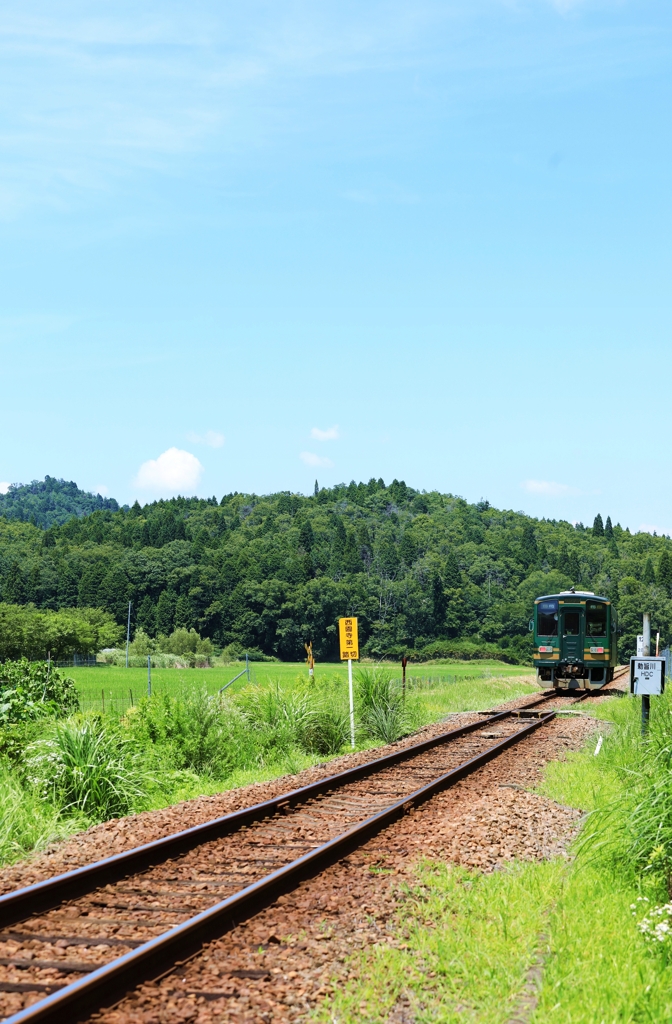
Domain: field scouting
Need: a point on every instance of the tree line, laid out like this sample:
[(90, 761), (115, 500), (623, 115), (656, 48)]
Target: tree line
[(426, 573)]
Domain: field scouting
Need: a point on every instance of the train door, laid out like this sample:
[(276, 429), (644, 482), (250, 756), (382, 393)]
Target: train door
[(571, 640)]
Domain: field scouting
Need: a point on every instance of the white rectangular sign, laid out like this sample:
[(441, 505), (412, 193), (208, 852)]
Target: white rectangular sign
[(647, 675), (640, 645)]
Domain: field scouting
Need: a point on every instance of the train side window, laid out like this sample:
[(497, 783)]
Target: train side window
[(547, 618), (596, 619), (572, 623)]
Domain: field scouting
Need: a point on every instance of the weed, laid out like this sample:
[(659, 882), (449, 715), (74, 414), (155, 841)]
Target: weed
[(88, 768), (383, 711), (27, 821)]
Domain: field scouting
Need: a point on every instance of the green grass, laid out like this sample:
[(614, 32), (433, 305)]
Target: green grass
[(443, 687), (28, 822), (462, 941)]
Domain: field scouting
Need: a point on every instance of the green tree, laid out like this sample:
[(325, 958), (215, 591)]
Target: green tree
[(574, 568), (452, 575), (113, 593), (608, 529), (184, 618), (306, 536), (89, 584), (14, 586), (664, 575), (165, 612), (529, 545), (648, 576), (146, 616), (598, 526)]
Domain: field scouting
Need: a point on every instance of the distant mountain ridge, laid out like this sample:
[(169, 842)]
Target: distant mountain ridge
[(51, 502)]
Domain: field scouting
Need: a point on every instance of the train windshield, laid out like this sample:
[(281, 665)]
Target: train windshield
[(547, 618), (596, 619)]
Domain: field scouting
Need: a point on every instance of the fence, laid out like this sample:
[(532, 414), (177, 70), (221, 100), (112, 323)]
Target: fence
[(78, 661)]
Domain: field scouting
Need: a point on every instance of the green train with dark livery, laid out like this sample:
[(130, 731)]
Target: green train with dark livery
[(575, 642)]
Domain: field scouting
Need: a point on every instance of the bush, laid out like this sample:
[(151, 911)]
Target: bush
[(326, 730), (382, 709), (90, 768), (31, 690), (302, 717), (27, 821), (635, 828), (195, 732)]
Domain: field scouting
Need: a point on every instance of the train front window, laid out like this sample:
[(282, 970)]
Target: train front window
[(547, 618), (596, 619), (572, 620)]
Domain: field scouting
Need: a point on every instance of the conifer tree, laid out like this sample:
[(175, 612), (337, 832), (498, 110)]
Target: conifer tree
[(665, 571), (165, 612), (608, 529), (598, 526), (649, 575)]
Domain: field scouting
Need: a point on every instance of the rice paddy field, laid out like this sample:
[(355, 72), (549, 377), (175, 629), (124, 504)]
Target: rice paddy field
[(441, 687)]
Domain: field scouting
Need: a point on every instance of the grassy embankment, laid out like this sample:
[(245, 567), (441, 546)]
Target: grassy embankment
[(600, 921), (58, 776)]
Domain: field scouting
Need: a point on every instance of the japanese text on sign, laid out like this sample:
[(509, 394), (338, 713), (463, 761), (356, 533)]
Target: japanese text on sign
[(647, 675), (349, 638)]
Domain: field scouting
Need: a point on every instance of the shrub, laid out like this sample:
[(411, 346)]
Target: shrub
[(634, 828), (31, 690), (194, 731), (382, 709), (27, 821), (299, 717), (90, 768), (326, 730)]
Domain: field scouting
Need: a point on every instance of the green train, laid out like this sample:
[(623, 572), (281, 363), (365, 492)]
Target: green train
[(575, 640)]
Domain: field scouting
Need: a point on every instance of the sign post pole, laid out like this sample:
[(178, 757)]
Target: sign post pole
[(352, 705), (349, 641)]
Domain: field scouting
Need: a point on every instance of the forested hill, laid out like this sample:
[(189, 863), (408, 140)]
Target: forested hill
[(50, 502), (425, 572)]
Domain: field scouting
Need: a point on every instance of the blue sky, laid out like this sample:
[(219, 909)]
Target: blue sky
[(248, 245)]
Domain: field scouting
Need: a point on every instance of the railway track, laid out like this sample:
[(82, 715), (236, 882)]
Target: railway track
[(80, 941)]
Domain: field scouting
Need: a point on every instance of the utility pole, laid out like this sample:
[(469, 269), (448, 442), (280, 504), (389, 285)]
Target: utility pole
[(128, 632)]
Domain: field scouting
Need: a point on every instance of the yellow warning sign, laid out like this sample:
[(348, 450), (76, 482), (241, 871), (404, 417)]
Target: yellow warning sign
[(349, 638)]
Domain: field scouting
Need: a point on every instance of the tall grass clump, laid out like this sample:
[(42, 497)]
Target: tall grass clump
[(88, 768), (309, 718), (191, 731), (634, 828), (383, 711), (27, 821)]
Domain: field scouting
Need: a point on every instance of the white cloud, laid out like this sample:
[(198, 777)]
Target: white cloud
[(4, 487), (311, 459), (211, 437), (330, 434), (174, 471), (549, 488)]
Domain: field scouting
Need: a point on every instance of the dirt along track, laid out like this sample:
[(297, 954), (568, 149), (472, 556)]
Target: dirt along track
[(38, 956)]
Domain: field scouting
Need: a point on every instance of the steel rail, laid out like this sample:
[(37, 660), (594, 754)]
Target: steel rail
[(107, 985), (42, 896)]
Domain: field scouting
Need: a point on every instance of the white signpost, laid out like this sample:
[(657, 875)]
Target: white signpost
[(647, 676)]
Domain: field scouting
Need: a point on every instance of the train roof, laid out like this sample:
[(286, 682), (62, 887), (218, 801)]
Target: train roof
[(573, 593)]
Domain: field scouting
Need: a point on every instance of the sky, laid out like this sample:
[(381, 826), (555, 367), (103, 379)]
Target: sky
[(248, 246)]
